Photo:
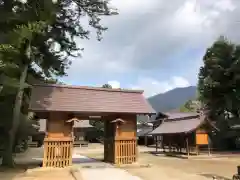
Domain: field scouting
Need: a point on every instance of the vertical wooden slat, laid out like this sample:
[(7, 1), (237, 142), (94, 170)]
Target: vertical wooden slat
[(66, 154), (53, 158), (125, 151), (45, 154), (70, 153), (57, 153)]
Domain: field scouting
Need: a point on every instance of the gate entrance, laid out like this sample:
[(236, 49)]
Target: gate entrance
[(61, 105)]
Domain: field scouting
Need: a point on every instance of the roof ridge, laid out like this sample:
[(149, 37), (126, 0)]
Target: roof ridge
[(183, 118), (90, 88)]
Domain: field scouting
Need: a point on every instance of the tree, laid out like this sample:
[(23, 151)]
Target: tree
[(107, 86), (186, 107), (37, 37), (218, 81), (23, 35), (191, 106)]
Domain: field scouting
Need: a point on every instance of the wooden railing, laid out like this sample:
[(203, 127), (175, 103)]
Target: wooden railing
[(57, 152), (125, 151)]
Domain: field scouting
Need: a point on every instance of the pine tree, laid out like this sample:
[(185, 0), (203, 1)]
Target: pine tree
[(29, 35), (219, 80)]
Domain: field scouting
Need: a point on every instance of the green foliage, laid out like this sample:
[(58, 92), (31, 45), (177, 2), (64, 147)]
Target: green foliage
[(219, 80), (184, 109), (107, 86), (55, 27), (38, 37), (191, 106)]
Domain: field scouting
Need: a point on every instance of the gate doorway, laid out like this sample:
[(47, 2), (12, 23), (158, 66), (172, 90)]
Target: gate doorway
[(62, 105)]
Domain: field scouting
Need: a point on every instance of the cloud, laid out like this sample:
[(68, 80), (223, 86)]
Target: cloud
[(114, 84), (134, 6), (157, 40), (156, 31), (152, 86)]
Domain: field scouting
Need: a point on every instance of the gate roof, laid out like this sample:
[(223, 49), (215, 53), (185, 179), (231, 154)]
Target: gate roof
[(82, 99)]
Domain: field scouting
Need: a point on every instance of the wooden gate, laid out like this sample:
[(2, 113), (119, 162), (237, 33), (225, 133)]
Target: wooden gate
[(57, 152), (126, 151)]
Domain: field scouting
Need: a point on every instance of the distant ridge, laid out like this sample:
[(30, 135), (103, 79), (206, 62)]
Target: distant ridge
[(173, 99)]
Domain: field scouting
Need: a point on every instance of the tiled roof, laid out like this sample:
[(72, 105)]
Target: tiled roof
[(88, 100), (178, 115), (82, 124), (77, 124), (173, 115), (178, 126), (144, 131)]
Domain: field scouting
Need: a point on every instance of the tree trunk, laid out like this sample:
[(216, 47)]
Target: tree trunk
[(8, 159), (8, 149)]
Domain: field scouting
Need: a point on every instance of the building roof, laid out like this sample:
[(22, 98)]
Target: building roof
[(178, 126), (81, 99), (179, 115), (77, 124), (146, 118), (144, 131), (173, 115), (82, 124)]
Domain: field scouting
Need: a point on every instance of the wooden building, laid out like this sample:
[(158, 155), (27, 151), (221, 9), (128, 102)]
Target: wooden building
[(84, 132), (182, 132), (143, 128), (61, 105)]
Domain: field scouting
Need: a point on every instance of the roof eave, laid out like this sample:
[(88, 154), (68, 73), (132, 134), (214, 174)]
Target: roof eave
[(38, 110), (87, 87)]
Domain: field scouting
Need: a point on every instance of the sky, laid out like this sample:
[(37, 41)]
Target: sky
[(154, 45)]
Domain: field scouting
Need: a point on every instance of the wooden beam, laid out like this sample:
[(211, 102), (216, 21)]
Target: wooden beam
[(209, 151), (156, 142), (118, 120), (187, 147), (162, 144), (145, 140), (197, 149)]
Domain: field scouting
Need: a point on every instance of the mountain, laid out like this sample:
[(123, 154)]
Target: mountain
[(172, 99)]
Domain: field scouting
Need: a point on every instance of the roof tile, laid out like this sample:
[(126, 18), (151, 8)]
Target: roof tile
[(88, 99), (178, 126)]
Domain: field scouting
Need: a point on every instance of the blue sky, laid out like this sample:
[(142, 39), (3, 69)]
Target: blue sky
[(154, 45)]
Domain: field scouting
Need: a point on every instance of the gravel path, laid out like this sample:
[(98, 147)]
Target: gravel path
[(163, 168), (107, 174), (156, 173)]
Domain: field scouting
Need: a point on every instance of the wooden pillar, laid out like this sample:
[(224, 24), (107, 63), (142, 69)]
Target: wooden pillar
[(121, 139), (146, 140), (197, 150), (58, 142), (156, 142), (187, 147), (170, 144), (209, 150), (105, 141), (163, 147)]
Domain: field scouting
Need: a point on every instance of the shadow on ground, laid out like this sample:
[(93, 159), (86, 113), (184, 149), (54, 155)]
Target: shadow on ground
[(214, 175), (170, 154), (19, 170)]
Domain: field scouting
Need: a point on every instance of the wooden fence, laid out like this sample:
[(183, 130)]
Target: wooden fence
[(125, 151), (57, 153)]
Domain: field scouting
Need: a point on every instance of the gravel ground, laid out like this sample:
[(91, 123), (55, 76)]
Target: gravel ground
[(163, 167), (222, 168), (175, 168), (107, 174)]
